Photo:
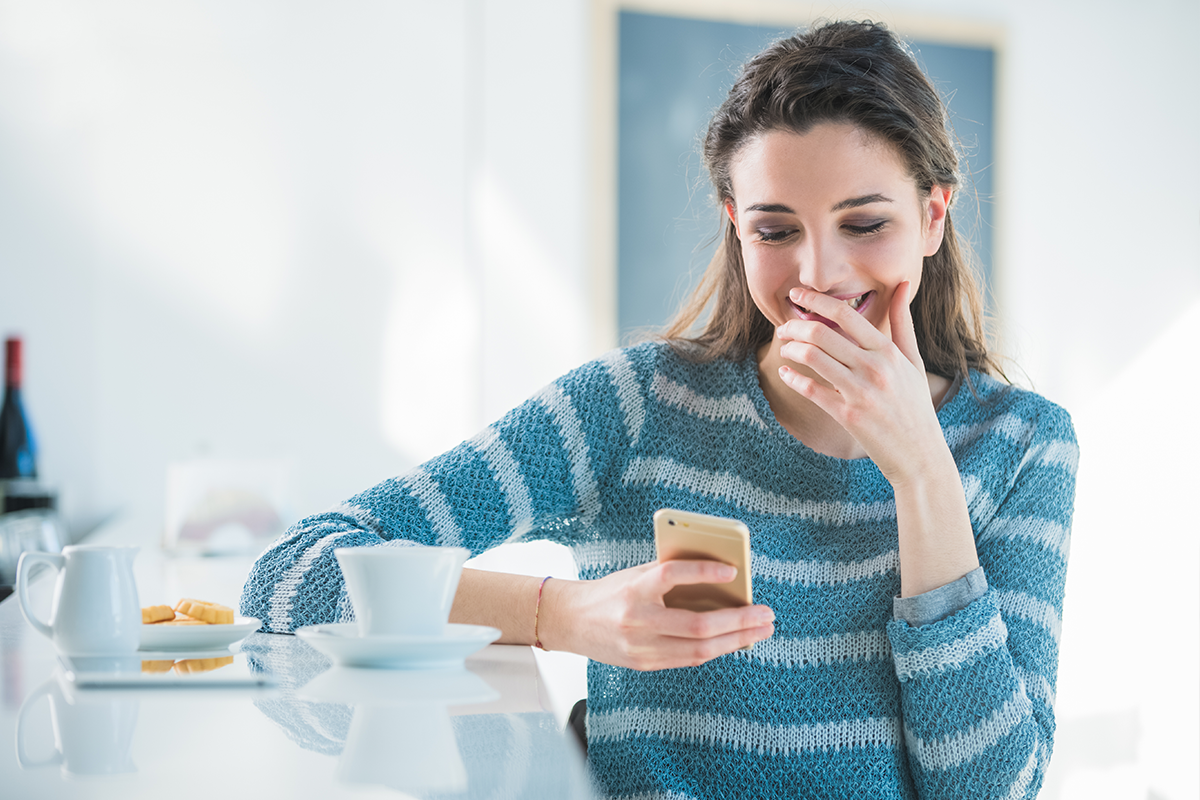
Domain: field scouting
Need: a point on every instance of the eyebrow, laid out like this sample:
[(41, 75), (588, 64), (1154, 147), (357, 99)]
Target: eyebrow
[(770, 208), (865, 200), (853, 202)]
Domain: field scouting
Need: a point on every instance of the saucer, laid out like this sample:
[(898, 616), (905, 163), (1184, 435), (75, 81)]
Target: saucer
[(196, 637), (343, 644)]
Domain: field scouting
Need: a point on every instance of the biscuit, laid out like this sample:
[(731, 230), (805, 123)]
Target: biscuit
[(157, 665), (212, 613), (153, 614)]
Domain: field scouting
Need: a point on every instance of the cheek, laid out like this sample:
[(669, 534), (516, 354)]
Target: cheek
[(761, 271), (889, 262), (756, 282), (770, 263), (767, 277)]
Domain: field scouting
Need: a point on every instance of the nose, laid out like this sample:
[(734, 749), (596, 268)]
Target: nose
[(821, 264)]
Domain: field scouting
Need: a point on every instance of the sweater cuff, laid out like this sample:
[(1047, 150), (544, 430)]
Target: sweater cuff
[(939, 603)]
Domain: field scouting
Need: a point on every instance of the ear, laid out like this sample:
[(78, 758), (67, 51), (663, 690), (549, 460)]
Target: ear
[(937, 206), (732, 214)]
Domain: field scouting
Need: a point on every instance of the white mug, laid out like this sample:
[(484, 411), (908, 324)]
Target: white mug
[(95, 608), (401, 591)]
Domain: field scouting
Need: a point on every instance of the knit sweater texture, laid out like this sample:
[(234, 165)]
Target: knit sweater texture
[(843, 701)]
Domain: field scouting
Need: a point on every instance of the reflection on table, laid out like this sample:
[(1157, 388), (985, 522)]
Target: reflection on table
[(436, 733), (482, 730)]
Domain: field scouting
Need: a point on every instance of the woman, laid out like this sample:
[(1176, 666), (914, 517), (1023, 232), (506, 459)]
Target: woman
[(909, 512)]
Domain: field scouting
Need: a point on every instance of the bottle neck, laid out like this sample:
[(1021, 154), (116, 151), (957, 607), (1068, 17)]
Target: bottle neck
[(12, 364)]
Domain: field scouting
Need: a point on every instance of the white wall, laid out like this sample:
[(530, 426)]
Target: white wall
[(334, 232), (351, 233)]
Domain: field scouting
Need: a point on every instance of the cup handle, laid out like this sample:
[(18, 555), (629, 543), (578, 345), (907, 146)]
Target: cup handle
[(56, 562), (22, 757)]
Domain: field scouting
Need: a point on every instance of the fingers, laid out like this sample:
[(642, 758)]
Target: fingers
[(670, 574), (832, 354), (830, 360), (857, 358), (682, 624), (623, 620), (850, 321), (676, 637), (815, 345), (825, 397), (673, 653), (689, 638), (903, 334)]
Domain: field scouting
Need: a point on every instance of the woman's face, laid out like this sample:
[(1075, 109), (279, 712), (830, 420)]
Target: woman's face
[(832, 210)]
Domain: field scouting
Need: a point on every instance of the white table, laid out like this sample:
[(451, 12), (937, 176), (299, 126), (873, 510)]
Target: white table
[(334, 737)]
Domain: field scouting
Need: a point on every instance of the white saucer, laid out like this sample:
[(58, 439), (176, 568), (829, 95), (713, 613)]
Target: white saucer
[(346, 647), (196, 637)]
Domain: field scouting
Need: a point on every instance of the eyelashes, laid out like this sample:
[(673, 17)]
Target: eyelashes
[(776, 235), (865, 230)]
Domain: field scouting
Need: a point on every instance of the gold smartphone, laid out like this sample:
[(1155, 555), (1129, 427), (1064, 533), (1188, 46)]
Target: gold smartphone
[(686, 535)]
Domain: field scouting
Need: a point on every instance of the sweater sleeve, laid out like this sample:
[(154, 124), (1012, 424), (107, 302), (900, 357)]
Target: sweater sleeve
[(939, 603), (535, 473), (977, 687)]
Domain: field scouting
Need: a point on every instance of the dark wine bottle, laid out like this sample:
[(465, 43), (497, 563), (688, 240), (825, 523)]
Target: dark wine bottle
[(17, 450)]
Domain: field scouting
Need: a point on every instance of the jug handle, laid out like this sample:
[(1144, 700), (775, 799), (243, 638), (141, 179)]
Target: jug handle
[(56, 562), (22, 757)]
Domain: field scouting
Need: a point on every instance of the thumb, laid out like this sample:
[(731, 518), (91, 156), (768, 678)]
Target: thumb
[(903, 334)]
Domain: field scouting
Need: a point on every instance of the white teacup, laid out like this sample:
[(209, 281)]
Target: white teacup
[(402, 591)]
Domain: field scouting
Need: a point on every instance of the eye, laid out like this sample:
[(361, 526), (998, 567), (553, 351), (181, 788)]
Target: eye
[(774, 234), (864, 230)]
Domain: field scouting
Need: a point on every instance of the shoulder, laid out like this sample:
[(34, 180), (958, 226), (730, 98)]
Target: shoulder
[(997, 410), (1023, 404), (648, 362)]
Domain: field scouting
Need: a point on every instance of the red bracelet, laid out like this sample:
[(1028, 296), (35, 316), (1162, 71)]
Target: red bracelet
[(537, 642)]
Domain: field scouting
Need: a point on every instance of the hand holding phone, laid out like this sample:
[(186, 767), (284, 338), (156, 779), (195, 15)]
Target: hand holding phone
[(620, 618), (701, 537)]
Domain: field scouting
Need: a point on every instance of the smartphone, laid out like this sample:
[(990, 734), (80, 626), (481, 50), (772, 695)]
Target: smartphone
[(700, 537)]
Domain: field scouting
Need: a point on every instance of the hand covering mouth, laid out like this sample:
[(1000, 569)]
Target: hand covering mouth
[(854, 302)]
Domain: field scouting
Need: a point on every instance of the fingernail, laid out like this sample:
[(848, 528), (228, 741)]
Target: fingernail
[(764, 616)]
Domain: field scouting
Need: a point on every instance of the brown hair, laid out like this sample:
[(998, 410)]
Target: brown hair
[(844, 72)]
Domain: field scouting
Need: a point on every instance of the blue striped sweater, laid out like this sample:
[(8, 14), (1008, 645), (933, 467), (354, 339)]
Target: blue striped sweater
[(843, 701)]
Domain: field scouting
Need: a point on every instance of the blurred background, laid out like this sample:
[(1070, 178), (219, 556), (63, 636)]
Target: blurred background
[(341, 237)]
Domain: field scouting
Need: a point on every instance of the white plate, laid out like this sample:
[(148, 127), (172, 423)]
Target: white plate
[(346, 647), (197, 637)]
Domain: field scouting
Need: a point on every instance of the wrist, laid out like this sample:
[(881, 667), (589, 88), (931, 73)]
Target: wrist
[(550, 629), (927, 472), (537, 614), (936, 538)]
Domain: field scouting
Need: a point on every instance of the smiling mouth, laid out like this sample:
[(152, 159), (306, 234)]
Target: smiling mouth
[(853, 302)]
